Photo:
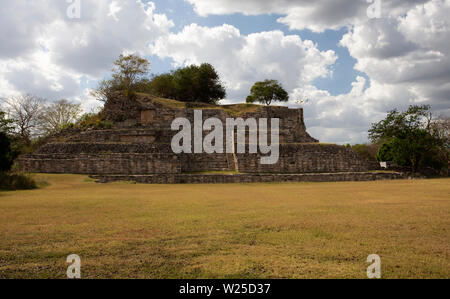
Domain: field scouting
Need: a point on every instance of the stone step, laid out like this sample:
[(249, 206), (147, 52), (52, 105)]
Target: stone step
[(249, 178), (103, 147)]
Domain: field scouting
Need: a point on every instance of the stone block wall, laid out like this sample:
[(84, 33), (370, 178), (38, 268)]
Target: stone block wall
[(306, 158), (130, 135), (206, 162), (146, 158), (151, 114), (130, 164)]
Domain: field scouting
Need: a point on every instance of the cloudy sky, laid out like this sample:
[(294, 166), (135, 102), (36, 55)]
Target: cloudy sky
[(352, 60)]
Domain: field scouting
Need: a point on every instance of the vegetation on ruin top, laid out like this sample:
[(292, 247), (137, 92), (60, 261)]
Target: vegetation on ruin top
[(235, 109)]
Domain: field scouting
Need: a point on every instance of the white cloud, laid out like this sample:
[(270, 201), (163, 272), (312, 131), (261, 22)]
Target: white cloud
[(410, 53), (305, 14), (407, 61), (110, 28), (45, 52), (405, 54), (242, 60), (114, 8)]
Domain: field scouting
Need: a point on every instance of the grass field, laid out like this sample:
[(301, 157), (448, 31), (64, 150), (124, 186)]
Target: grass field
[(301, 230)]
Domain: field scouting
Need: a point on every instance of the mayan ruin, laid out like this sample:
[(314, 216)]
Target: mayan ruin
[(137, 148)]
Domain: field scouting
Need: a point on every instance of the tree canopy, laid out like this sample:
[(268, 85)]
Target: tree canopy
[(163, 86), (7, 155), (408, 139), (190, 84), (266, 92), (5, 124)]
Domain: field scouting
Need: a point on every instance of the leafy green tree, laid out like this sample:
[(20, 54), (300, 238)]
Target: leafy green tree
[(400, 125), (190, 84), (6, 153), (408, 139), (5, 124), (209, 87), (266, 92), (163, 86), (198, 84)]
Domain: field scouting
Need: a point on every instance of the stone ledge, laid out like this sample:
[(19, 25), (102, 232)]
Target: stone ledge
[(248, 178)]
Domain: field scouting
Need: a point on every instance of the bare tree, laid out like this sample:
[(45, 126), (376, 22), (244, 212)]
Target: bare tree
[(104, 90), (127, 73), (25, 112), (441, 128), (128, 70), (58, 114)]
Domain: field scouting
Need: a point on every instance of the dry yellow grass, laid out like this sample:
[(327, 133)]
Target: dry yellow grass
[(305, 230)]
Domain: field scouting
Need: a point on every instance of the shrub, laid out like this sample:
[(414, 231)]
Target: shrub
[(11, 182), (93, 121), (367, 151)]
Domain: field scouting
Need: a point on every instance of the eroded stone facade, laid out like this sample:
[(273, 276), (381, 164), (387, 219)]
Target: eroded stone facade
[(139, 145)]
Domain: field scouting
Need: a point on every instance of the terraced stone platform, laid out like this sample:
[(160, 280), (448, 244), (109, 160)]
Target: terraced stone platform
[(137, 148)]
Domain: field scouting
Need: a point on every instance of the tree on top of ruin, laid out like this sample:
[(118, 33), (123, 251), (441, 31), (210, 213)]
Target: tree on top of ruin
[(127, 74), (193, 83), (129, 70), (267, 92)]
